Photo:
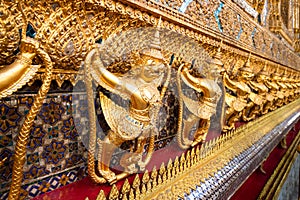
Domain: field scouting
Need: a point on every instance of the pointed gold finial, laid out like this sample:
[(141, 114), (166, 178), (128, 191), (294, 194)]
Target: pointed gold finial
[(162, 169), (154, 176), (145, 177), (159, 180), (176, 166), (264, 69), (159, 23), (136, 182), (101, 195), (154, 50), (126, 187), (131, 195), (170, 168), (154, 173), (114, 192), (188, 158), (193, 156), (216, 59), (169, 165), (149, 187), (246, 66), (144, 189)]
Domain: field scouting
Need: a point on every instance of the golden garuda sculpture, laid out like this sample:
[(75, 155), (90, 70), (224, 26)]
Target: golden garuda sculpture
[(237, 95), (199, 110), (256, 97), (261, 97), (259, 86), (141, 83), (279, 87)]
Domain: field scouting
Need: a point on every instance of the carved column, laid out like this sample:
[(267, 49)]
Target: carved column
[(296, 16), (296, 24)]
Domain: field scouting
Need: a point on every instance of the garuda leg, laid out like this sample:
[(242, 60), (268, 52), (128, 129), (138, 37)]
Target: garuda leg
[(105, 152)]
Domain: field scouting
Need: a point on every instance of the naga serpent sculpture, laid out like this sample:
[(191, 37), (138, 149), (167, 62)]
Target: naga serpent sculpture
[(13, 77)]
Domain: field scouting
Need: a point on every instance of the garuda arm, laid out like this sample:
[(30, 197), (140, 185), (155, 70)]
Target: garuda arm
[(229, 83), (210, 89), (114, 83), (17, 74)]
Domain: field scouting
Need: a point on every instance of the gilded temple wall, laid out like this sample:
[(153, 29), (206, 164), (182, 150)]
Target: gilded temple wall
[(57, 149), (55, 153)]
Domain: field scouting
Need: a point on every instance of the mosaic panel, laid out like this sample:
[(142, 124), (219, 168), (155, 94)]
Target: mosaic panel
[(53, 146), (50, 183), (59, 137)]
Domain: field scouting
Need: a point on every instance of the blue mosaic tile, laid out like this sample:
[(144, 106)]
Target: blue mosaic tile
[(184, 5), (51, 112), (216, 14), (36, 138), (69, 130), (241, 28), (33, 190), (6, 141), (54, 182), (30, 32), (35, 171), (53, 132), (54, 152), (9, 117), (33, 158)]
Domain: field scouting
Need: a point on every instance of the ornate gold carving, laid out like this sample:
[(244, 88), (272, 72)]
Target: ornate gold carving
[(238, 101), (10, 23), (138, 122), (61, 37), (68, 30), (201, 110), (209, 158), (17, 74), (23, 136), (280, 20)]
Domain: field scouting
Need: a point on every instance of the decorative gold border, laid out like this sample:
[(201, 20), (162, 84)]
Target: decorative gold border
[(149, 11), (194, 166), (277, 179), (194, 29)]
